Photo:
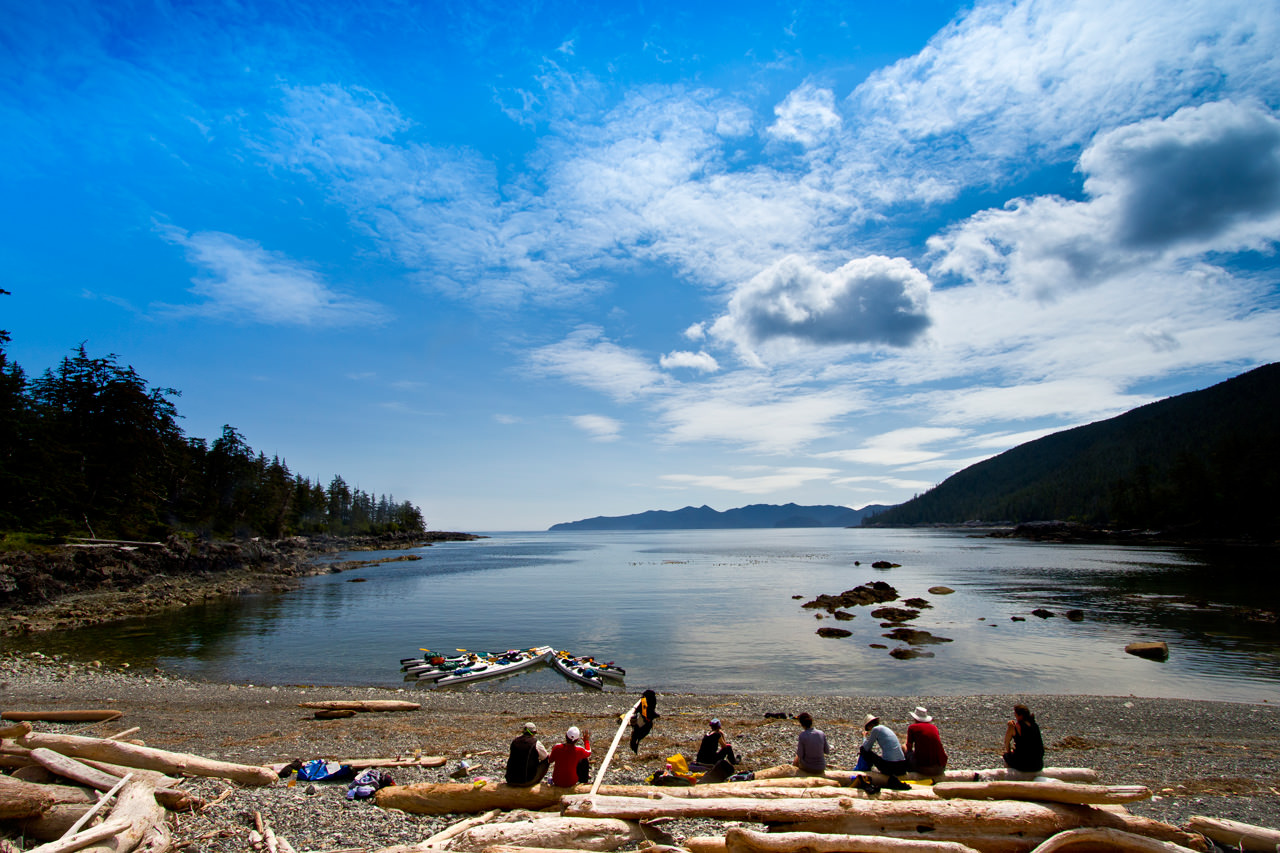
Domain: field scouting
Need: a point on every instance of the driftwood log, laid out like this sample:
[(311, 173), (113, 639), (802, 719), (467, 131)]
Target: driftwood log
[(135, 819), (102, 780), (361, 705), (1049, 791), (53, 822), (149, 758), (63, 716), (573, 833), (738, 840), (15, 731), (992, 774), (335, 714), (1108, 839), (1002, 826), (1233, 833), (20, 799)]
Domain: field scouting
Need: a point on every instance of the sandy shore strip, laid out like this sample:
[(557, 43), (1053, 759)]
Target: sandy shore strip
[(1200, 758)]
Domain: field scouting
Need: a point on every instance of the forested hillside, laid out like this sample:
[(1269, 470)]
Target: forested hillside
[(1203, 463), (88, 449), (706, 518)]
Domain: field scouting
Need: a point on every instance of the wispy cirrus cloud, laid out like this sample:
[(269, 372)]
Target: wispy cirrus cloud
[(753, 480), (599, 427), (239, 280)]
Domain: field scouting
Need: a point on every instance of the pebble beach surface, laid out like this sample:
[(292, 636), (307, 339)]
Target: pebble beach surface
[(1199, 758)]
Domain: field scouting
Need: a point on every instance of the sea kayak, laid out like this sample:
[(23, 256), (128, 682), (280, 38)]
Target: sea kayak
[(503, 664), (570, 668)]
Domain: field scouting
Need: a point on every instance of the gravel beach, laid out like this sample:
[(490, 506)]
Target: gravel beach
[(1200, 758)]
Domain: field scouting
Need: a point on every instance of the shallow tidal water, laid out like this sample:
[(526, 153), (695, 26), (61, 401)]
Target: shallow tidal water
[(716, 611)]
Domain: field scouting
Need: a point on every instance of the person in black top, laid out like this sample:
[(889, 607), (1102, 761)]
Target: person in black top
[(714, 747), (1023, 746), (528, 762), (642, 720)]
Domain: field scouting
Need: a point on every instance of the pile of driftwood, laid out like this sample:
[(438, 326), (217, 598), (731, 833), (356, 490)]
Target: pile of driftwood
[(988, 811)]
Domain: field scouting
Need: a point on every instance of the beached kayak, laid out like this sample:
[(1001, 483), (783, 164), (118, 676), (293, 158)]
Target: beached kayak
[(570, 668), (503, 664)]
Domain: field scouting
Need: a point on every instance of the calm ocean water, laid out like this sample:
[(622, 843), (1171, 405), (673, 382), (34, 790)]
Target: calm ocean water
[(714, 611)]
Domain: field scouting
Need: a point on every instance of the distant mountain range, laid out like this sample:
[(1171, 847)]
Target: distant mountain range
[(1205, 463), (706, 518)]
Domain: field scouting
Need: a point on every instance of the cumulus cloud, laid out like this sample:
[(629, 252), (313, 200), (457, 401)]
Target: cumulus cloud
[(700, 361), (599, 427), (1163, 191), (806, 115), (872, 300), (240, 280)]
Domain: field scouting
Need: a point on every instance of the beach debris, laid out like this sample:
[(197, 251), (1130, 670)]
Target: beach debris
[(740, 840), (1157, 651), (62, 716), (148, 758), (1047, 791), (1233, 833)]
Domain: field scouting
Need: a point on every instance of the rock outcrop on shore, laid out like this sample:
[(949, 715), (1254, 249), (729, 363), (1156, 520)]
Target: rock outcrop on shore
[(87, 583)]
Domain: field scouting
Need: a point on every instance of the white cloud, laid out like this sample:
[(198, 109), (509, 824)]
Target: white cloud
[(872, 300), (585, 358), (768, 481), (599, 427), (806, 115), (700, 361), (898, 447), (753, 416), (240, 280)]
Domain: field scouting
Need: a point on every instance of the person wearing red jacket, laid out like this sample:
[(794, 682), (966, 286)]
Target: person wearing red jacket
[(570, 760), (925, 754)]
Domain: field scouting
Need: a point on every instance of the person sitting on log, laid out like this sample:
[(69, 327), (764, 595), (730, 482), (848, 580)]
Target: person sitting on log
[(1023, 746), (811, 747), (570, 761), (714, 747), (529, 759), (925, 754), (891, 761)]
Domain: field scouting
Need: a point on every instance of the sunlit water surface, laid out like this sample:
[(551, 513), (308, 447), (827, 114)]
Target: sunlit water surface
[(712, 611)]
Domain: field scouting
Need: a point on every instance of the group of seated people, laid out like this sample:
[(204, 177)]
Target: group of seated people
[(924, 754)]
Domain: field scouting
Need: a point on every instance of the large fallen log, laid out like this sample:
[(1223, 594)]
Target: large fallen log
[(53, 822), (103, 780), (100, 716), (149, 758), (1108, 839), (20, 799), (361, 705), (15, 731), (136, 815), (1233, 833), (1004, 826), (738, 840), (992, 774), (1048, 791), (574, 833)]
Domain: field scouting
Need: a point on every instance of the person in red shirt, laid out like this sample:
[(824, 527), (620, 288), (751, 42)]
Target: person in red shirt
[(925, 754), (569, 760)]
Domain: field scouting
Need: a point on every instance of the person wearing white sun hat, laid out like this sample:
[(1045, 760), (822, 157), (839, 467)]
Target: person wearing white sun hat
[(925, 754)]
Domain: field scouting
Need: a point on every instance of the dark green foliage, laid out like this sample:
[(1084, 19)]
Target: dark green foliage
[(89, 449), (1203, 463)]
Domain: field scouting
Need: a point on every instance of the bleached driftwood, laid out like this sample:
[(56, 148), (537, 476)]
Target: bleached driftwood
[(1012, 827), (20, 799), (1233, 833), (1049, 791), (102, 780), (557, 832), (53, 822), (438, 840), (15, 731), (99, 716), (135, 816), (738, 840), (705, 844), (361, 705), (149, 758), (1108, 839), (124, 734), (992, 774)]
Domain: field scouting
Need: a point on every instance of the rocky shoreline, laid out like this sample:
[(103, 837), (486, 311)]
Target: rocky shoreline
[(1199, 758), (91, 583)]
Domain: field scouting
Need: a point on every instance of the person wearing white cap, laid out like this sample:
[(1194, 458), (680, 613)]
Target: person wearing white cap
[(569, 760), (528, 760), (891, 761), (925, 754)]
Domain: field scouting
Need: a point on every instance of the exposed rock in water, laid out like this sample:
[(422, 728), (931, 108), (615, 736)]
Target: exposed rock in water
[(907, 653), (1075, 615), (918, 603), (834, 632), (894, 614), (885, 564), (1017, 619), (915, 637), (940, 590), (1042, 613), (1158, 651), (843, 615), (876, 592), (877, 646), (797, 597)]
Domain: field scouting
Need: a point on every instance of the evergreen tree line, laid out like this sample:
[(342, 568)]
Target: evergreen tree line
[(89, 449), (1204, 463)]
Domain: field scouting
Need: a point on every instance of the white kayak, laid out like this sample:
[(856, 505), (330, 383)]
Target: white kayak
[(570, 668), (503, 664)]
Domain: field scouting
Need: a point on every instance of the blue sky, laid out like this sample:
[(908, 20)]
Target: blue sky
[(529, 265)]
